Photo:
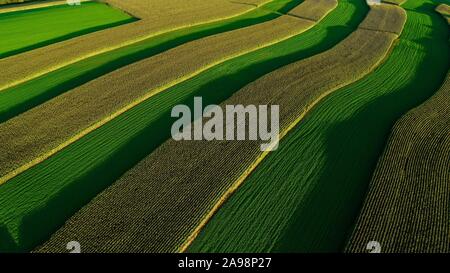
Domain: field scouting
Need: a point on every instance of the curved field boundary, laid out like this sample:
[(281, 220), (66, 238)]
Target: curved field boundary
[(22, 97), (394, 2), (151, 115), (182, 188), (407, 205), (174, 17), (30, 29), (306, 196), (103, 99), (247, 2)]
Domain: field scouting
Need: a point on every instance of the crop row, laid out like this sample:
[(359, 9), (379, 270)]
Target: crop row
[(313, 10), (306, 196), (410, 189), (411, 181)]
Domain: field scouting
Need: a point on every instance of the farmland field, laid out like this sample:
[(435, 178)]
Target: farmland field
[(416, 157), (210, 157), (265, 59), (66, 22), (336, 148), (88, 152), (21, 97)]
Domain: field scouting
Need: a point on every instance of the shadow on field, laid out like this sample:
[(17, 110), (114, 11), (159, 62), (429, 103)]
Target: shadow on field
[(7, 244), (325, 223), (107, 62), (37, 226)]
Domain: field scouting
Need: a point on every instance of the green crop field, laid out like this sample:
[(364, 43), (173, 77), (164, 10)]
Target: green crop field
[(420, 147), (322, 170), (88, 153), (29, 29)]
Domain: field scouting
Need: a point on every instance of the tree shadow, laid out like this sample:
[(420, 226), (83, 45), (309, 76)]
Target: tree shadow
[(7, 243)]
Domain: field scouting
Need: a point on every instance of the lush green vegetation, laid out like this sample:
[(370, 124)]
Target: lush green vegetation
[(30, 29), (39, 200), (22, 97), (313, 186), (410, 187)]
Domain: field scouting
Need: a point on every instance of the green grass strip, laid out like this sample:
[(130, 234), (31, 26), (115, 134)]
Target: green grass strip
[(38, 201), (306, 196), (30, 29), (22, 97)]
